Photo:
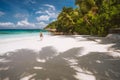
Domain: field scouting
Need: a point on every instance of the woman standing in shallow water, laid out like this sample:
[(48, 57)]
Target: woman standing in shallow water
[(41, 36)]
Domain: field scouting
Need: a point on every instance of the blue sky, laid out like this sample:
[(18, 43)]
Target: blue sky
[(28, 14)]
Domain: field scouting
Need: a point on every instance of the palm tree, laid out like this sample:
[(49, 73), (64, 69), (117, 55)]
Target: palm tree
[(65, 21)]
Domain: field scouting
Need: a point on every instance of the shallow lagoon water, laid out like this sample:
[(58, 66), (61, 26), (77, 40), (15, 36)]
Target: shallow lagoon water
[(15, 33)]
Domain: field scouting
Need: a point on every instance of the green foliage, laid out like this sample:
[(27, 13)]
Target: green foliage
[(52, 25), (93, 17), (66, 21)]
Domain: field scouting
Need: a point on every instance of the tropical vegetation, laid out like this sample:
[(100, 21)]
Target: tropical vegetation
[(91, 17)]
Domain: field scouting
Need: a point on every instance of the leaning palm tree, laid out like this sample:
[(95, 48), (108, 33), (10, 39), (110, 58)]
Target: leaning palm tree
[(65, 21)]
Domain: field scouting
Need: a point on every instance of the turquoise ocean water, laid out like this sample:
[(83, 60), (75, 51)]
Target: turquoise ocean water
[(14, 33)]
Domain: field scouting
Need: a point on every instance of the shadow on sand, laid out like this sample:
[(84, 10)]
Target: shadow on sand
[(115, 46), (21, 63), (102, 65), (104, 40)]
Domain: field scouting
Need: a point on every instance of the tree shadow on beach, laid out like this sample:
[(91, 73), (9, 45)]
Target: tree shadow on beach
[(115, 46), (102, 65), (24, 62), (56, 66), (76, 37), (16, 64), (105, 41)]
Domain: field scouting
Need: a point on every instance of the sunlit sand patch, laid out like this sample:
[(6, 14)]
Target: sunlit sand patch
[(4, 60), (5, 68), (98, 61), (41, 60), (83, 75), (37, 67), (71, 61), (28, 77)]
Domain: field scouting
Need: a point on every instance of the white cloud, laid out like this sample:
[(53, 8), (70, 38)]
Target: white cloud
[(41, 24), (47, 14), (52, 14), (1, 13), (7, 24), (21, 16), (43, 18), (50, 6), (39, 12), (25, 23)]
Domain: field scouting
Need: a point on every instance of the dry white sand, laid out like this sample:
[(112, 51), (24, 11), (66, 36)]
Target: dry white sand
[(61, 44)]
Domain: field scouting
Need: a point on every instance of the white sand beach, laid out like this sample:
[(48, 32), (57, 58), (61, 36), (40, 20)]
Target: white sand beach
[(70, 57), (60, 43)]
